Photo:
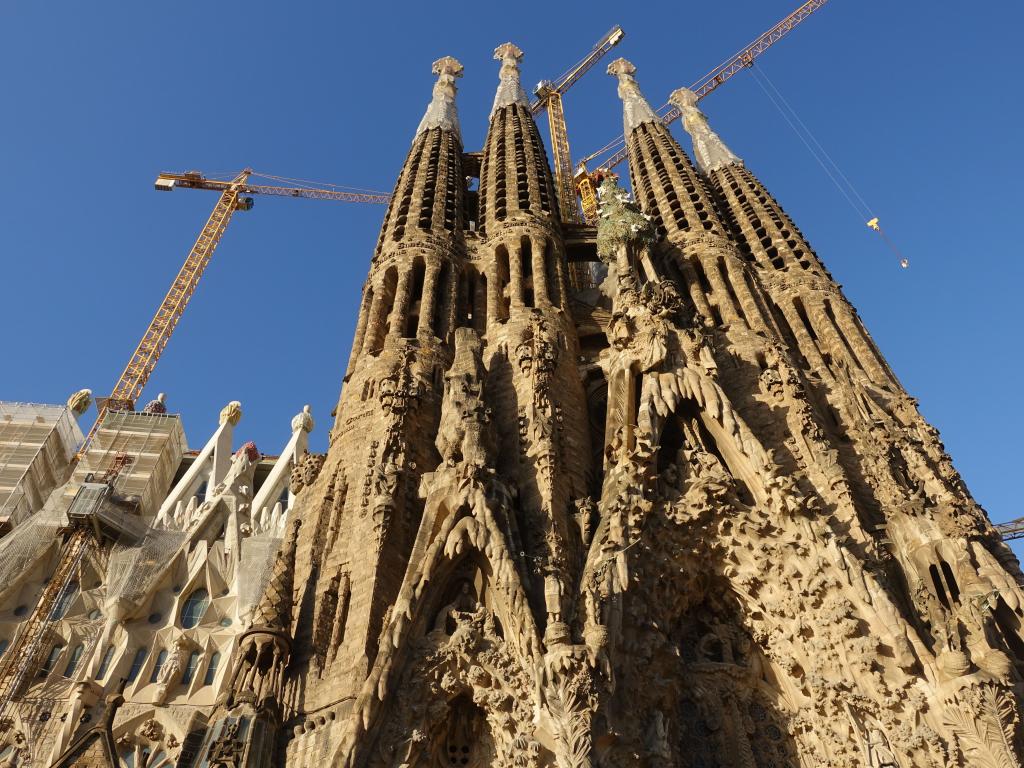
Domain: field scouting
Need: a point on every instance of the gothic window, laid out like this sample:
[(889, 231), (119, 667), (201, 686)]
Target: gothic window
[(158, 667), (67, 597), (51, 660), (479, 304), (551, 273), (137, 661), (3, 645), (211, 669), (76, 656), (194, 608), (412, 312), (108, 655), (441, 292), (830, 314), (501, 281), (386, 310), (526, 270), (190, 668)]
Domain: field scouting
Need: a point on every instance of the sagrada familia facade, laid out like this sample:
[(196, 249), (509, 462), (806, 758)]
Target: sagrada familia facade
[(684, 515)]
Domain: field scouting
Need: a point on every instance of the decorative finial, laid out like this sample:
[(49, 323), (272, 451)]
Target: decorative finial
[(441, 112), (303, 420), (231, 413), (635, 109), (510, 91), (79, 402), (708, 147)]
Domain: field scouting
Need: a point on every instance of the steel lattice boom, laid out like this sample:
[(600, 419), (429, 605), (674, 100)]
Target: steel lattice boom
[(704, 86), (549, 96)]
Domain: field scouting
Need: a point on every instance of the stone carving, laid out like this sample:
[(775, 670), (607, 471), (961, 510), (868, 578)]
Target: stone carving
[(690, 518)]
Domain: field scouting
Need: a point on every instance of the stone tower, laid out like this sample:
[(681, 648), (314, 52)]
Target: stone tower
[(689, 518)]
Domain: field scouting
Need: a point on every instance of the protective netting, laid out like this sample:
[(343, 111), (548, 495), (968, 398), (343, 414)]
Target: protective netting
[(255, 566), (134, 567), (29, 540)]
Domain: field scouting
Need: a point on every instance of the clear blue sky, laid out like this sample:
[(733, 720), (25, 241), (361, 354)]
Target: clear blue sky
[(917, 102)]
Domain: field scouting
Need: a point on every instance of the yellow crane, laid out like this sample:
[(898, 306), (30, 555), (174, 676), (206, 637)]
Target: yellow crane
[(587, 181), (549, 96), (235, 195)]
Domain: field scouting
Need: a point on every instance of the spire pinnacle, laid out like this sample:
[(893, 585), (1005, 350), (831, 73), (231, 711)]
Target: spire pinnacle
[(441, 112), (708, 147), (635, 109), (510, 91)]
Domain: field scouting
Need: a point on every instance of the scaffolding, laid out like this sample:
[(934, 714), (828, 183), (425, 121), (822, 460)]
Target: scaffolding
[(37, 444), (138, 452)]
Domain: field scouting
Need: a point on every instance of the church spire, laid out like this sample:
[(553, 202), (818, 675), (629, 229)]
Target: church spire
[(442, 112), (708, 147), (510, 90), (635, 109)]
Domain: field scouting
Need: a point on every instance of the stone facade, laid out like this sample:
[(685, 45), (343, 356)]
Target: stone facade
[(686, 518)]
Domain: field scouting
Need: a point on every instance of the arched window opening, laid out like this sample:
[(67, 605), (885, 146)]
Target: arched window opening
[(51, 660), (76, 656), (597, 418), (385, 310), (441, 293), (464, 298), (831, 315), (551, 271), (671, 443), (194, 608), (479, 297), (724, 271), (364, 318), (1009, 625), (787, 333), (191, 667), (412, 315), (3, 645), (526, 269), (636, 387), (951, 585), (108, 656), (137, 661), (502, 267), (940, 591), (802, 314), (67, 597), (158, 667), (211, 669)]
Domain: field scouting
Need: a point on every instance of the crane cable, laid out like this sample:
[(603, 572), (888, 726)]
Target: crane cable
[(824, 159)]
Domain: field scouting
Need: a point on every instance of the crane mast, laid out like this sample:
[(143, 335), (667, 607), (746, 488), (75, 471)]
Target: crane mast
[(233, 197), (586, 182), (549, 96)]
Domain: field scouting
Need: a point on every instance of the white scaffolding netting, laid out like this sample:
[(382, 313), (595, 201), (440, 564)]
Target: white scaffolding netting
[(255, 566), (29, 541), (133, 568)]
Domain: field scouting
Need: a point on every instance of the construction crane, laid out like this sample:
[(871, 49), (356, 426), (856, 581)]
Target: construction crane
[(1011, 530), (549, 96), (587, 181), (23, 657), (234, 196)]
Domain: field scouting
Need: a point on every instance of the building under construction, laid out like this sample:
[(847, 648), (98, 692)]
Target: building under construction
[(639, 492)]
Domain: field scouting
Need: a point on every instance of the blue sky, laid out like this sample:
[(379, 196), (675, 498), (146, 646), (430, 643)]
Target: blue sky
[(915, 101)]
